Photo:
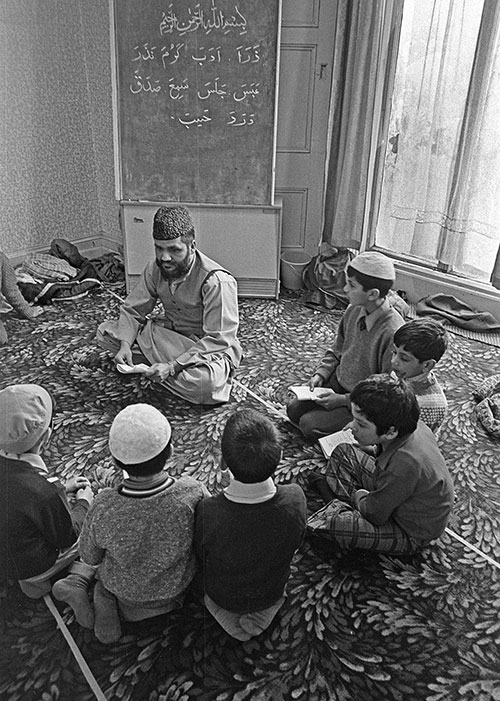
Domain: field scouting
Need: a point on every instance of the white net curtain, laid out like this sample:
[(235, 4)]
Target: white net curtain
[(440, 198)]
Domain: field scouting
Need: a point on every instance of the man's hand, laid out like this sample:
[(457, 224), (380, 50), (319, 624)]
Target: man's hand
[(315, 381), (76, 483), (124, 355), (162, 371), (329, 400)]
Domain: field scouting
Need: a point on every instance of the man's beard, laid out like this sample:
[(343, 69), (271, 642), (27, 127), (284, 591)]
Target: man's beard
[(175, 270)]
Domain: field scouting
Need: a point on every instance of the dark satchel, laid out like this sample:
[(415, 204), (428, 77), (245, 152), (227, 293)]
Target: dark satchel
[(324, 277), (60, 248)]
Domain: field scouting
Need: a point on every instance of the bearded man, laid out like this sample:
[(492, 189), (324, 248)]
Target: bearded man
[(193, 347)]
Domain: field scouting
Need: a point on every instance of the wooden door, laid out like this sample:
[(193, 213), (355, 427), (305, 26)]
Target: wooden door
[(306, 54)]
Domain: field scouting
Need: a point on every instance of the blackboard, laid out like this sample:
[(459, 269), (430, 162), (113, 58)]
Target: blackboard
[(196, 99)]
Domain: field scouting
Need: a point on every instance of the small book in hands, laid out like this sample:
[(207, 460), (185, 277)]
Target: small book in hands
[(303, 392), (328, 443), (129, 369)]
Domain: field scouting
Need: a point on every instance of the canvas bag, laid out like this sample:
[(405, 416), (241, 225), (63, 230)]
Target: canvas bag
[(324, 277)]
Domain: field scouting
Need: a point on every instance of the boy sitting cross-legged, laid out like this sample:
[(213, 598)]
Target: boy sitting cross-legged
[(246, 536), (140, 534), (399, 501), (418, 346), (363, 346)]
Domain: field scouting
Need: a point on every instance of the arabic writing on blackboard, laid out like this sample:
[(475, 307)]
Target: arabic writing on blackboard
[(182, 52), (207, 68)]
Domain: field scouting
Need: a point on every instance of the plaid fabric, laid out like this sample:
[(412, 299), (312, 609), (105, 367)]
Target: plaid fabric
[(350, 469), (46, 267)]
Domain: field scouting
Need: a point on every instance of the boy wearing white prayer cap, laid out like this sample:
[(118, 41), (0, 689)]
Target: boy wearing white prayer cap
[(363, 347), (139, 534)]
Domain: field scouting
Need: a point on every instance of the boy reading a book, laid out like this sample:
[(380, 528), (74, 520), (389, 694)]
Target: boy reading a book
[(418, 346), (399, 501), (363, 347)]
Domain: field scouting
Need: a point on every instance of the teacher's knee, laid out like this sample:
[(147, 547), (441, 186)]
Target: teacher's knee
[(199, 381)]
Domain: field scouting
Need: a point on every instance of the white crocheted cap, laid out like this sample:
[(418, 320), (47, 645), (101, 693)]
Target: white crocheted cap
[(25, 414), (374, 264), (138, 433)]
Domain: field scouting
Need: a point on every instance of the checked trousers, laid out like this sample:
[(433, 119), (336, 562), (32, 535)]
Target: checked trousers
[(348, 470)]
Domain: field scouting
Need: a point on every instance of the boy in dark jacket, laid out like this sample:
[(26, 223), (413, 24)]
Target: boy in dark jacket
[(399, 501), (246, 536), (39, 529)]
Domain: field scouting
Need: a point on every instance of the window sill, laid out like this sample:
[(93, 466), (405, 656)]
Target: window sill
[(419, 281)]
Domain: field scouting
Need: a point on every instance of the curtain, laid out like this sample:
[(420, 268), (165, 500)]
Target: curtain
[(365, 52), (439, 199)]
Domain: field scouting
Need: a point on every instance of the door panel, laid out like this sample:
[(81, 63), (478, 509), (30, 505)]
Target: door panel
[(306, 52)]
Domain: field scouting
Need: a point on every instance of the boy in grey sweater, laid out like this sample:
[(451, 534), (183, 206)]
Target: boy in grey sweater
[(362, 348), (139, 535)]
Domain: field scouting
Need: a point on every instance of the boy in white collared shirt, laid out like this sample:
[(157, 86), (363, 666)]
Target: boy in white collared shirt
[(245, 537)]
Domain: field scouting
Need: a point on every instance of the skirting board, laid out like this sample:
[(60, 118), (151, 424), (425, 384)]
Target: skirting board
[(89, 247)]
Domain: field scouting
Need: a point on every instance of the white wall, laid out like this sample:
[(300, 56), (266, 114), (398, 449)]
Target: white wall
[(57, 170)]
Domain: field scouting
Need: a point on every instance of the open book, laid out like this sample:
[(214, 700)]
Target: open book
[(328, 443), (129, 369), (302, 392)]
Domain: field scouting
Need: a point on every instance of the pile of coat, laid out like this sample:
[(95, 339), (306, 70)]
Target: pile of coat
[(64, 274)]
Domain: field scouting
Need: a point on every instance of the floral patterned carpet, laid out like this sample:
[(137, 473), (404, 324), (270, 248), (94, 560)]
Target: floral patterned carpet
[(355, 627)]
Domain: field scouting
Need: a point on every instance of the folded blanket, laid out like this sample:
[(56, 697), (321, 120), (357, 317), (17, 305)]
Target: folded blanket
[(47, 267), (458, 313)]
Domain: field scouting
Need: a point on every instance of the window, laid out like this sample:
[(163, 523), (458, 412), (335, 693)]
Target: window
[(439, 199)]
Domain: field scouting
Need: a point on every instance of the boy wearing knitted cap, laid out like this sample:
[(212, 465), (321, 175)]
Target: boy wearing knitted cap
[(363, 347), (246, 536), (39, 528), (139, 534)]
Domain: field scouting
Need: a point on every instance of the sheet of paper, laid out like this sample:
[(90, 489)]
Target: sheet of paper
[(302, 392), (328, 443), (129, 369)]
